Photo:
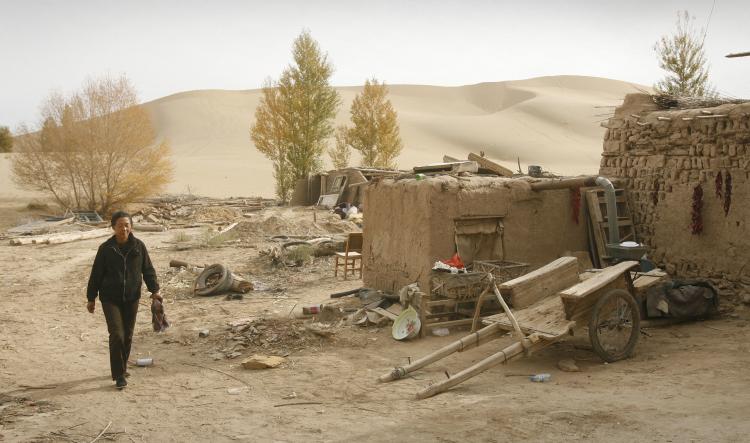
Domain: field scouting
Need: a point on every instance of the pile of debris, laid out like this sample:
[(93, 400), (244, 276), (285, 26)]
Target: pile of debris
[(268, 336), (364, 307), (180, 209)]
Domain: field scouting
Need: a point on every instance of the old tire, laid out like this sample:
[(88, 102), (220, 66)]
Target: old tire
[(614, 326), (222, 285)]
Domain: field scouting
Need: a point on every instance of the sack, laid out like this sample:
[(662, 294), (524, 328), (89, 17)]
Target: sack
[(682, 299)]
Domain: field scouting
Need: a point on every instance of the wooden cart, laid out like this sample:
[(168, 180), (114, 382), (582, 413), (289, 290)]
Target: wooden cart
[(601, 299)]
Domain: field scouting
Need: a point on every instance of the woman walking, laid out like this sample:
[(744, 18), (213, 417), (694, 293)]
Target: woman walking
[(121, 266)]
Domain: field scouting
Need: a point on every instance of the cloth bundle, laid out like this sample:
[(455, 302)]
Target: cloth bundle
[(158, 317)]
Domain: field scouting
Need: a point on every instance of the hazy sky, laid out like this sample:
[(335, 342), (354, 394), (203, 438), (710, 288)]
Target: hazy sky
[(166, 47)]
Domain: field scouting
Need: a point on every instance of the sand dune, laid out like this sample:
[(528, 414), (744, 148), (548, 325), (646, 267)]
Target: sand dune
[(549, 121)]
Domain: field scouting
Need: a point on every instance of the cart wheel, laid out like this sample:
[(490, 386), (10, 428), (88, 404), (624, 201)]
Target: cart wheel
[(614, 327)]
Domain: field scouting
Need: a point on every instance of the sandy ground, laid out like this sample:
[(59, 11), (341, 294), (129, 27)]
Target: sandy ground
[(549, 121), (686, 383)]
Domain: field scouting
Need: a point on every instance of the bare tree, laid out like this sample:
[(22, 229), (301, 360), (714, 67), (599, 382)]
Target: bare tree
[(95, 149), (682, 56)]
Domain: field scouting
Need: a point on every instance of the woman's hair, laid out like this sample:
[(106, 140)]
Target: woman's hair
[(118, 215)]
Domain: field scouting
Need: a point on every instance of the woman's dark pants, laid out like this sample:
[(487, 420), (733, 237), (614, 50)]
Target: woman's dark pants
[(120, 324)]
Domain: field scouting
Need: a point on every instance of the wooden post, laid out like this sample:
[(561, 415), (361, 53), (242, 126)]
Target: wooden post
[(457, 346), (478, 308), (503, 356), (507, 310)]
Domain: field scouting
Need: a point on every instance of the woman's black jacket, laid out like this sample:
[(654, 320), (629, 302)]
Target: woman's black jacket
[(117, 273)]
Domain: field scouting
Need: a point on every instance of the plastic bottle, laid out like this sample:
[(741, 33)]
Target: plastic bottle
[(540, 378), (145, 361)]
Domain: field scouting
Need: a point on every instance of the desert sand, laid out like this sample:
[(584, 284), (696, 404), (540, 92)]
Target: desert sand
[(685, 383), (547, 121)]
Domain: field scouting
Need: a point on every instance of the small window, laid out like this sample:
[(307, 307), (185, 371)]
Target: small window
[(338, 183)]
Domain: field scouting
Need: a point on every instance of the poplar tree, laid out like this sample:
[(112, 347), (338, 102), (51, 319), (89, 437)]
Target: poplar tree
[(682, 56), (341, 152), (375, 132), (6, 139), (295, 116)]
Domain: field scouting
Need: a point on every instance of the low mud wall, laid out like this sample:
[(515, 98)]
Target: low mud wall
[(409, 224), (666, 159)]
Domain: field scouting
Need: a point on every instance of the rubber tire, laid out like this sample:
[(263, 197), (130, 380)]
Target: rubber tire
[(635, 330), (224, 283)]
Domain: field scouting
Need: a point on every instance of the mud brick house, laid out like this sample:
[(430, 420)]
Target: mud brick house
[(688, 176), (410, 223)]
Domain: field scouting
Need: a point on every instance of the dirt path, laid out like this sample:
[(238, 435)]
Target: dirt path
[(686, 383)]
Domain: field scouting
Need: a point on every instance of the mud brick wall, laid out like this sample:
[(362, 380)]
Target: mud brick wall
[(409, 224), (661, 157)]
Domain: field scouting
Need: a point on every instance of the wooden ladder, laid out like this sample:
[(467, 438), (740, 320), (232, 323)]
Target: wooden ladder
[(596, 203)]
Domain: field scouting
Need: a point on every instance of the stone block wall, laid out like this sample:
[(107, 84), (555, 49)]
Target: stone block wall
[(661, 157)]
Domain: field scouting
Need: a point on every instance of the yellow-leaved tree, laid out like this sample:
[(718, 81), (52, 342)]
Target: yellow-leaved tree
[(95, 149), (341, 152), (375, 132), (295, 116)]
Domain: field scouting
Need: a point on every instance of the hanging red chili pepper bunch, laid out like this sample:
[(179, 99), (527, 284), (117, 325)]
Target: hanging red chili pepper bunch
[(727, 193), (697, 224), (719, 185), (655, 194), (575, 203)]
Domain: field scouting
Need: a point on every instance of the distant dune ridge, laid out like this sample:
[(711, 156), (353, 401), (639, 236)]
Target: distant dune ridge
[(547, 121)]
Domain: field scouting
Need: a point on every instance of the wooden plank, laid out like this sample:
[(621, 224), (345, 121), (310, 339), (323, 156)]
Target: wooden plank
[(580, 309), (464, 166), (591, 240), (486, 163), (596, 219), (549, 279), (598, 281), (385, 313), (84, 235), (546, 316)]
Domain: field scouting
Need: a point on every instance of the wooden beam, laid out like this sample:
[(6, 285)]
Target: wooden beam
[(536, 285), (507, 354), (457, 346), (486, 163), (565, 183), (61, 237)]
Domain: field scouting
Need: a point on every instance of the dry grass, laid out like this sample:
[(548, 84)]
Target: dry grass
[(35, 205), (181, 237), (210, 239)]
